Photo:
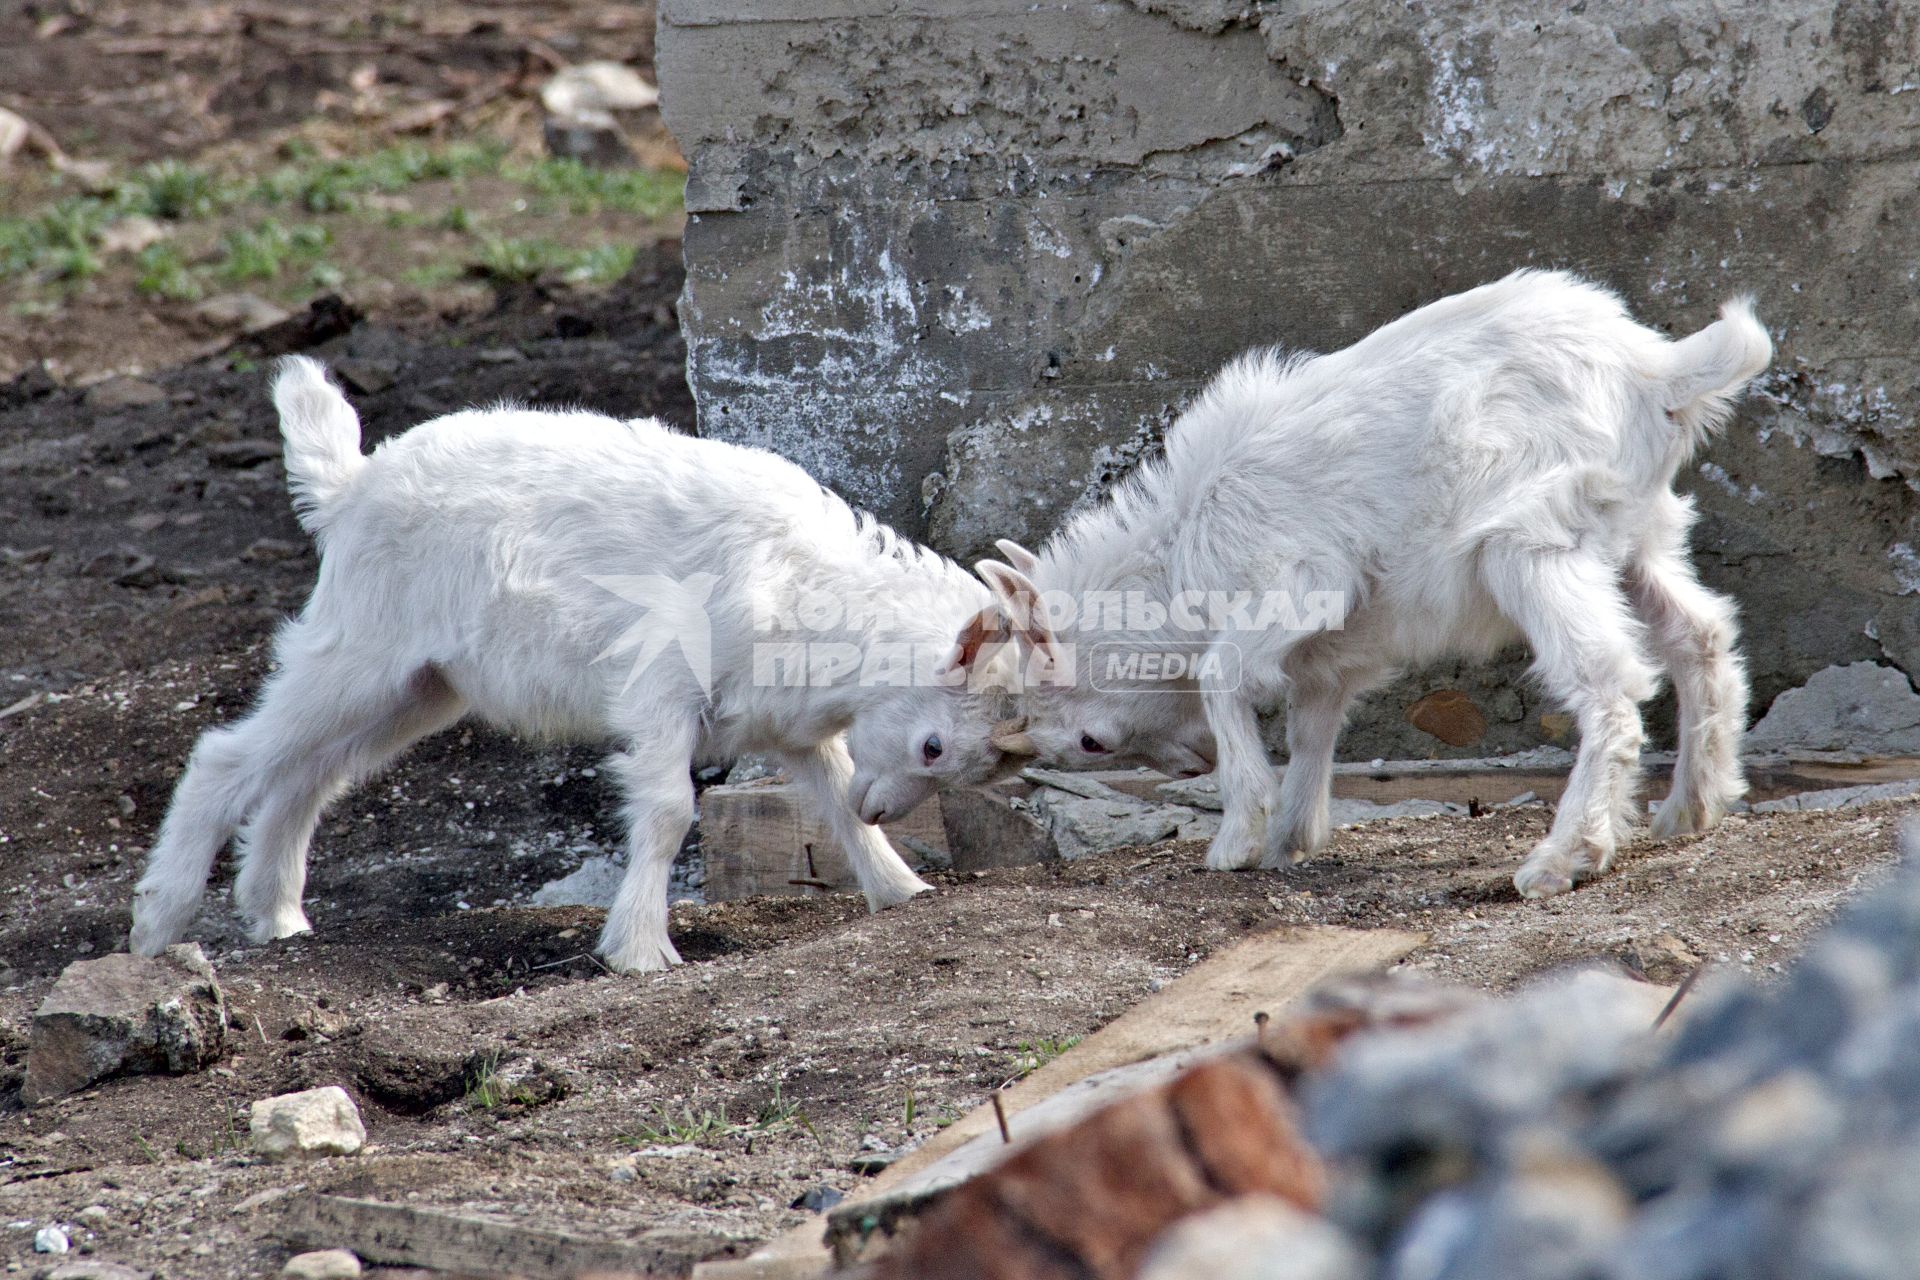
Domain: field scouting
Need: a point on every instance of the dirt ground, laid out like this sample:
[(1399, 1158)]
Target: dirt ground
[(147, 551)]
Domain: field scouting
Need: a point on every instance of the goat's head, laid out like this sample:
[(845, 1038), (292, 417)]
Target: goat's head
[(909, 741), (1072, 718)]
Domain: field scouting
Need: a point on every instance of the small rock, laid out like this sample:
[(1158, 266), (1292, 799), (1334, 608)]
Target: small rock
[(1450, 716), (51, 1240), (314, 1122), (593, 884), (818, 1200), (241, 453), (125, 1015), (244, 312), (270, 549), (322, 1264), (752, 769), (597, 86), (131, 234), (368, 377), (596, 141), (93, 1213), (92, 1269), (500, 355), (1082, 828), (122, 392)]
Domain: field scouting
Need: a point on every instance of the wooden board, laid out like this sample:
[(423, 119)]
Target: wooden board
[(472, 1244), (755, 838), (1213, 1003)]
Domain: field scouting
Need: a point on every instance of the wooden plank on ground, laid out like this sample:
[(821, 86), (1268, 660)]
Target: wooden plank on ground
[(473, 1244), (756, 836), (1212, 1003)]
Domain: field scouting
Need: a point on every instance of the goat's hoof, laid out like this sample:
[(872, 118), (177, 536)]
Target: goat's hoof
[(1691, 818), (1236, 855), (649, 957), (279, 924), (1548, 880)]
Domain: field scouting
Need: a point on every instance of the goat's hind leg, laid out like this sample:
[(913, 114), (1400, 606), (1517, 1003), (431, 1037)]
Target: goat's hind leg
[(213, 796), (344, 735), (826, 771), (1587, 652), (1693, 632)]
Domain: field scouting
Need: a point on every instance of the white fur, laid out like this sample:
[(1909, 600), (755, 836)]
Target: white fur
[(1497, 464), (458, 577)]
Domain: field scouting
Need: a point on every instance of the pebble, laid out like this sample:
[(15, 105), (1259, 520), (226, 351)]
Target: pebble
[(313, 1122), (322, 1264), (51, 1239)]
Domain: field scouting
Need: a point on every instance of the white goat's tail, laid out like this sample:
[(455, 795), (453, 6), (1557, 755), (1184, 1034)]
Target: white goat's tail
[(323, 439), (1712, 367)]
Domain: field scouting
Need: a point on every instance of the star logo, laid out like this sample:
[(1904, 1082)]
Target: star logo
[(675, 614)]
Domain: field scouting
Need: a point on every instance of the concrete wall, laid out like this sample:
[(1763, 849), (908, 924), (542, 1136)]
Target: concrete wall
[(964, 259)]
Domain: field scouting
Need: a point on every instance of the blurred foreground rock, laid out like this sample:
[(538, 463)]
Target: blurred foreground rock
[(125, 1015)]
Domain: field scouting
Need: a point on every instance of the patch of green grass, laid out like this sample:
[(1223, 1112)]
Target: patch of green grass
[(701, 1127), (520, 259), (263, 251), (164, 274), (651, 193), (175, 192), (1031, 1055), (486, 1090), (334, 186), (59, 240)]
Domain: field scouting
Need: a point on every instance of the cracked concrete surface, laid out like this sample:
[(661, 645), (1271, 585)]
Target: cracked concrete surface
[(964, 260)]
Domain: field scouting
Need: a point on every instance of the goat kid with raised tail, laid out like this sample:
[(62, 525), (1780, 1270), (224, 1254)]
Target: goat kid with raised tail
[(567, 575), (1498, 464)]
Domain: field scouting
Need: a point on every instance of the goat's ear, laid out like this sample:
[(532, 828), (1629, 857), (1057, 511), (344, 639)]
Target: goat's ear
[(1021, 599), (987, 627), (1018, 556)]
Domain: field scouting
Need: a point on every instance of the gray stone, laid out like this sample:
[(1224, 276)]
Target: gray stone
[(367, 376), (1253, 1238), (51, 1239), (313, 1122), (125, 1015), (1863, 708), (1082, 827), (123, 393), (322, 1264), (986, 251), (94, 1269), (1838, 797), (240, 312), (594, 883)]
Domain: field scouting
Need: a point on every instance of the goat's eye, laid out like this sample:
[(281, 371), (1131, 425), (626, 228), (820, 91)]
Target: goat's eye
[(1092, 745), (932, 749)]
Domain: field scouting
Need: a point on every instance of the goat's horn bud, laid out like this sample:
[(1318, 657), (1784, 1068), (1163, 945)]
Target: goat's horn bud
[(1011, 737)]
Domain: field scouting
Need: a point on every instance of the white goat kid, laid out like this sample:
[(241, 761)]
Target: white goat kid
[(1498, 463), (566, 575)]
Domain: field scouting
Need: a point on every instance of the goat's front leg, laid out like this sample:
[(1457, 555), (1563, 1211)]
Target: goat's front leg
[(658, 783), (1570, 607), (1248, 792), (826, 771), (1317, 702)]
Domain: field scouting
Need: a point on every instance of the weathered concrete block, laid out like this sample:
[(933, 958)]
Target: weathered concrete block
[(125, 1015), (965, 261), (988, 829), (313, 1122)]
